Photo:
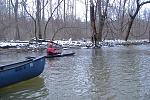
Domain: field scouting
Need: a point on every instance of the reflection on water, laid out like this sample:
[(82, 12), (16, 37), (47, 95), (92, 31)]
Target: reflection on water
[(10, 55), (117, 73), (29, 89)]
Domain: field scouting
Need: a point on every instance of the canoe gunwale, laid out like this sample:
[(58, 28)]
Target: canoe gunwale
[(60, 55), (18, 64)]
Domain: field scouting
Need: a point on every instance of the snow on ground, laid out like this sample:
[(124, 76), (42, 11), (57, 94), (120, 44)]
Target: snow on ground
[(109, 43), (12, 44), (70, 43)]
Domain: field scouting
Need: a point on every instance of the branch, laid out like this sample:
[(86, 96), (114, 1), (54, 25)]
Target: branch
[(27, 10), (54, 11), (12, 3), (30, 16), (51, 17), (106, 8), (143, 3), (44, 6), (64, 28)]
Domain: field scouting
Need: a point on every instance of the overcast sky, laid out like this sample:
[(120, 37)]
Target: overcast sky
[(80, 8)]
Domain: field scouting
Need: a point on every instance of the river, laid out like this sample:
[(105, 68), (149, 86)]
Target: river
[(108, 73)]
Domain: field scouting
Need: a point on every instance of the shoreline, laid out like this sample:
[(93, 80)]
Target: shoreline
[(71, 44)]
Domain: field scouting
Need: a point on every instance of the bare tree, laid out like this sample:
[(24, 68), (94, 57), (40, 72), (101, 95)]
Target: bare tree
[(35, 23), (9, 8), (43, 10), (132, 16), (58, 9), (15, 7), (102, 11), (93, 19), (38, 18), (86, 14), (123, 15), (64, 10), (102, 15), (45, 28)]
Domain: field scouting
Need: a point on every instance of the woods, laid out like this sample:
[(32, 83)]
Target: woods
[(60, 19)]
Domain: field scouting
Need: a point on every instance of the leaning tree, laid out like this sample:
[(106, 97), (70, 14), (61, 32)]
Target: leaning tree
[(133, 15)]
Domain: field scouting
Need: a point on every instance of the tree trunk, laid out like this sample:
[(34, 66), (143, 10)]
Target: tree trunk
[(51, 16), (86, 14), (15, 7), (99, 36), (58, 9), (102, 18), (129, 29), (93, 26), (75, 7), (43, 11), (149, 36), (9, 4), (64, 10), (132, 17), (122, 17), (34, 20), (17, 26), (38, 18)]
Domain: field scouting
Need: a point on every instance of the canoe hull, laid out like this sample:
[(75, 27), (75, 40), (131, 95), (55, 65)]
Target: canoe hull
[(21, 71), (60, 55)]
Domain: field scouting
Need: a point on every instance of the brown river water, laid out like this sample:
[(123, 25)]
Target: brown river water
[(108, 73)]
